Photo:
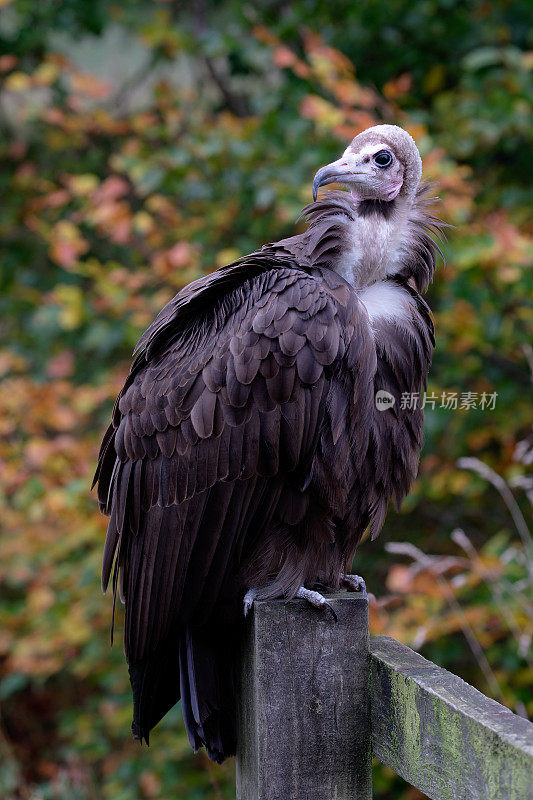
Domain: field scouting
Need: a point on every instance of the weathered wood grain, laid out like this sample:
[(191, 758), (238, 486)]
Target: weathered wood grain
[(441, 734), (304, 726)]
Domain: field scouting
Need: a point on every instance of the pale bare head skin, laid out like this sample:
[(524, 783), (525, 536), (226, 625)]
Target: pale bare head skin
[(381, 163)]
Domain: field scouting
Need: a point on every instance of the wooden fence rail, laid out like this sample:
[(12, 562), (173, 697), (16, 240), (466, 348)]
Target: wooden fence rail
[(317, 699)]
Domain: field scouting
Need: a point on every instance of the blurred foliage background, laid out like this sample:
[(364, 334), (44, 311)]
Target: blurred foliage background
[(145, 143)]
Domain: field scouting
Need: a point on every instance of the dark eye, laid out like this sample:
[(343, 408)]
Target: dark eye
[(383, 158)]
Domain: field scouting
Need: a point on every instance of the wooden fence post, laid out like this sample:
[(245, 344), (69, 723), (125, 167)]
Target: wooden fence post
[(304, 707)]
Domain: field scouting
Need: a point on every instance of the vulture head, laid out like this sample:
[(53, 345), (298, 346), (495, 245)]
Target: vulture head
[(380, 163)]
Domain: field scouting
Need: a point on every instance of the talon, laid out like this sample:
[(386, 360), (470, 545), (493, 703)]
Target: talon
[(323, 588), (316, 599), (333, 612), (354, 583)]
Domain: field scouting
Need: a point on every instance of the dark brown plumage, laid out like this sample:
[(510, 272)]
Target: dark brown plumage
[(246, 449)]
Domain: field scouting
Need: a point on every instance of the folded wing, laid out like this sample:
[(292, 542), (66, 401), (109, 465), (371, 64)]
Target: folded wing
[(229, 394)]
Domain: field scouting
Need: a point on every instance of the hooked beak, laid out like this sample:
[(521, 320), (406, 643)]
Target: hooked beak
[(338, 171)]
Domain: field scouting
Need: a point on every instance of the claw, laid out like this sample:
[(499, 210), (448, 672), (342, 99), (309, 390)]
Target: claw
[(354, 583), (316, 599), (323, 588)]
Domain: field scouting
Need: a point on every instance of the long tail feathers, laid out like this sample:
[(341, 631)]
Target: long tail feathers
[(204, 661)]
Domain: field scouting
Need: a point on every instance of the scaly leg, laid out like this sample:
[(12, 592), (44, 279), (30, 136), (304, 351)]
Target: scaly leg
[(248, 601)]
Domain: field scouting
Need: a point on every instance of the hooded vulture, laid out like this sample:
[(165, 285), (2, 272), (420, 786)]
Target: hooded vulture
[(247, 455)]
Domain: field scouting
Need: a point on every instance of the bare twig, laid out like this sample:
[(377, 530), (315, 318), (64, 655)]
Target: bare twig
[(484, 471), (119, 102), (236, 103), (522, 639)]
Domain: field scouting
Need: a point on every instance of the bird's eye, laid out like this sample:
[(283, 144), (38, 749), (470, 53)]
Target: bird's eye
[(383, 158)]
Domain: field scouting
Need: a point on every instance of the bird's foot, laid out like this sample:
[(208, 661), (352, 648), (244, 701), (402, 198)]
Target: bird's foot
[(316, 599), (354, 583), (248, 600)]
